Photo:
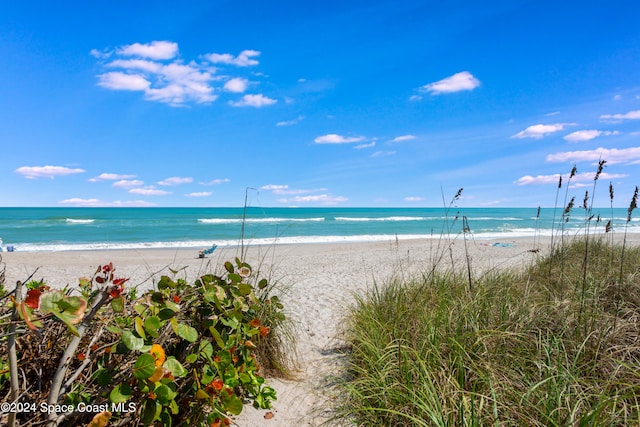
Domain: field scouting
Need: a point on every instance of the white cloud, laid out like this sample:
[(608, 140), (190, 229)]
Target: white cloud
[(415, 98), (383, 153), (236, 85), (413, 199), (369, 145), (611, 155), (631, 115), (153, 50), (137, 64), (274, 187), (199, 194), (35, 172), (128, 183), (216, 181), (110, 177), (148, 191), (244, 59), (324, 199), (116, 80), (98, 203), (403, 138), (540, 130), (617, 97), (555, 178), (157, 71), (587, 135), (290, 122), (175, 180), (257, 101), (333, 138), (455, 83)]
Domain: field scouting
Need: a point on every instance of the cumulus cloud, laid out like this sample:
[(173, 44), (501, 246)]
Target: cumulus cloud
[(611, 155), (324, 199), (148, 191), (555, 178), (35, 172), (110, 177), (333, 138), (98, 203), (199, 194), (244, 59), (257, 101), (216, 181), (156, 70), (236, 85), (116, 80), (540, 131), (274, 187), (631, 115), (154, 50), (285, 190), (455, 83), (128, 183), (175, 180), (587, 135)]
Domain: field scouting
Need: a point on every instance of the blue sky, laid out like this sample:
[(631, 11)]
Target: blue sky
[(334, 103)]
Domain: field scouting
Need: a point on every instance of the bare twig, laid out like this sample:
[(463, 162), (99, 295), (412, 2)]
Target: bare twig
[(13, 358)]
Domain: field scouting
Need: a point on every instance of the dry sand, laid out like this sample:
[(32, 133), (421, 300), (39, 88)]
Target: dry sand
[(320, 281)]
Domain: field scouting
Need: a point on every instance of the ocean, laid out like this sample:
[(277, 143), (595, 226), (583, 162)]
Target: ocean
[(57, 229)]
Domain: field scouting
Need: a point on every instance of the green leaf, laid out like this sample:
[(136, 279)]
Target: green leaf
[(172, 306), (69, 310), (165, 282), (233, 405), (139, 327), (131, 341), (235, 278), (144, 367), (117, 304), (216, 337), (245, 289), (151, 412), (263, 284), (166, 313), (164, 394), (175, 367), (184, 331), (228, 266), (206, 348), (120, 393), (152, 324)]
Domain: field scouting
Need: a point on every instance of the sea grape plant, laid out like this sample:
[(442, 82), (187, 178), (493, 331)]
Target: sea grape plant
[(179, 354)]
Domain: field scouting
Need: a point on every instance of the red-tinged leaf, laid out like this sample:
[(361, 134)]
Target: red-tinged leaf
[(33, 298), (120, 281), (100, 279)]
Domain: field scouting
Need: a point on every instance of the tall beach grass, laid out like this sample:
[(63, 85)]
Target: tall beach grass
[(554, 344)]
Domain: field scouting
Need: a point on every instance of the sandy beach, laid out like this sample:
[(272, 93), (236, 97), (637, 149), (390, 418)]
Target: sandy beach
[(320, 282)]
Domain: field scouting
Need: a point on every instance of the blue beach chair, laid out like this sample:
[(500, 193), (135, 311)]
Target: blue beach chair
[(206, 251)]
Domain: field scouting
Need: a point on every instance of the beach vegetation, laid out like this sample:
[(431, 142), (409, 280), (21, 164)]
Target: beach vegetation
[(180, 354), (552, 344)]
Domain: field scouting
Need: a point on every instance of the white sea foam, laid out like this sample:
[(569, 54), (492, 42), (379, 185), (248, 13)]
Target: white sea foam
[(388, 218), (255, 220), (79, 221)]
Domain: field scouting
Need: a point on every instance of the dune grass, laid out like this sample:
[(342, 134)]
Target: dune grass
[(554, 345)]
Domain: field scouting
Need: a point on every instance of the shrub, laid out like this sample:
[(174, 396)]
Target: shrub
[(180, 354)]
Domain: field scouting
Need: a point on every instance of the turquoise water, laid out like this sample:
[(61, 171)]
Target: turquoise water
[(47, 229)]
